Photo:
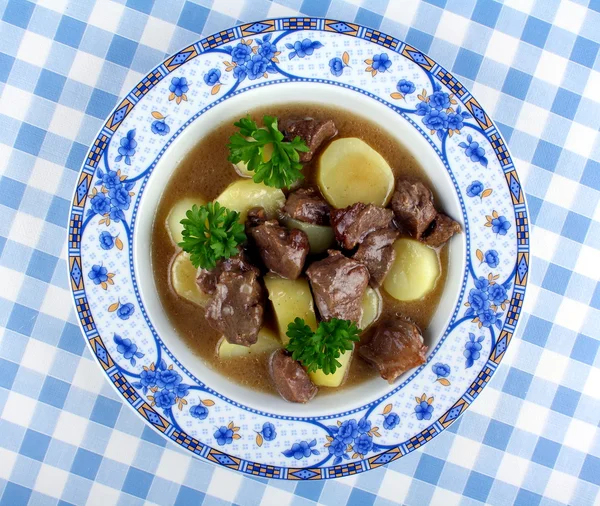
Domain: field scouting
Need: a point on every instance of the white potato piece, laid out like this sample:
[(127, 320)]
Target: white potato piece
[(321, 379), (320, 237), (414, 272), (267, 342), (241, 196), (371, 305), (177, 213), (351, 171), (291, 299), (183, 280)]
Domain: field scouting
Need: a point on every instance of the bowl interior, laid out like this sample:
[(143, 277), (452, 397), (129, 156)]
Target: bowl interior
[(291, 92)]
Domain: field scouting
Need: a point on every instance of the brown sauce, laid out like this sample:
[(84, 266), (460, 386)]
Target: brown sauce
[(205, 172)]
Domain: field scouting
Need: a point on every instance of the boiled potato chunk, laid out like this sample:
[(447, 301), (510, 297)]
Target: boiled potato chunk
[(183, 280), (351, 171), (241, 196), (177, 214), (414, 272), (321, 379), (371, 305), (291, 299), (267, 342), (320, 237)]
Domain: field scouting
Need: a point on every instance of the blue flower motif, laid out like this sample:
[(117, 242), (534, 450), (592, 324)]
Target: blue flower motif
[(363, 444), (497, 294), (98, 274), (303, 48), (107, 241), (422, 109), (381, 62), (348, 431), (119, 197), (390, 421), (472, 349), (405, 87), (491, 258), (100, 204), (223, 435), (489, 317), (439, 100), (303, 449), (212, 77), (436, 120), (338, 448), (179, 86), (364, 426), (110, 179), (336, 66), (147, 380), (127, 348), (266, 48), (199, 411), (125, 311), (482, 283), (127, 146), (423, 410), (182, 390), (240, 73), (168, 379), (164, 399), (241, 53), (475, 189), (268, 431), (256, 67), (478, 300), (500, 225), (473, 151), (441, 370), (160, 127), (455, 121)]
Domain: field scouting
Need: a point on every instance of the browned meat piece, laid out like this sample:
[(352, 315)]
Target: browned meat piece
[(353, 223), (207, 279), (378, 254), (255, 217), (441, 230), (338, 284), (283, 251), (307, 204), (237, 307), (311, 131), (412, 203), (290, 379), (395, 347)]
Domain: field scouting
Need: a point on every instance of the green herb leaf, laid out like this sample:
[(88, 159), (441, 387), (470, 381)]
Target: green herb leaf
[(211, 232), (321, 349), (247, 145)]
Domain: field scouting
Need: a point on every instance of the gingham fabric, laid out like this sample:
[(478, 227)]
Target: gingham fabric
[(532, 438)]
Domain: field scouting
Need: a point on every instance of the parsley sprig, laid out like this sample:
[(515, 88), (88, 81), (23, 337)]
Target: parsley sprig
[(247, 145), (211, 232), (321, 349)]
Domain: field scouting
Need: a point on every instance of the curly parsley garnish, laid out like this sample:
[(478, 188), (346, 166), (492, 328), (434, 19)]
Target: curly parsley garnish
[(321, 349), (211, 232), (247, 145)]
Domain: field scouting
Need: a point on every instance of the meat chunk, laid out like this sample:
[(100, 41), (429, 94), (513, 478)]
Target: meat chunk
[(413, 207), (207, 279), (338, 284), (283, 251), (378, 254), (237, 307), (290, 379), (353, 223), (255, 217), (440, 231), (395, 347), (313, 132), (307, 205)]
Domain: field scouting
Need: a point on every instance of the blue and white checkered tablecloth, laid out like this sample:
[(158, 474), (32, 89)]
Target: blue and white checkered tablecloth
[(533, 437)]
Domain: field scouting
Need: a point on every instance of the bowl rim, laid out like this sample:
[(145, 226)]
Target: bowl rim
[(500, 151)]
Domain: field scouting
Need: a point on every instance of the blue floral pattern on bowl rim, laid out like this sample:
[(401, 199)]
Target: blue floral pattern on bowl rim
[(153, 381)]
